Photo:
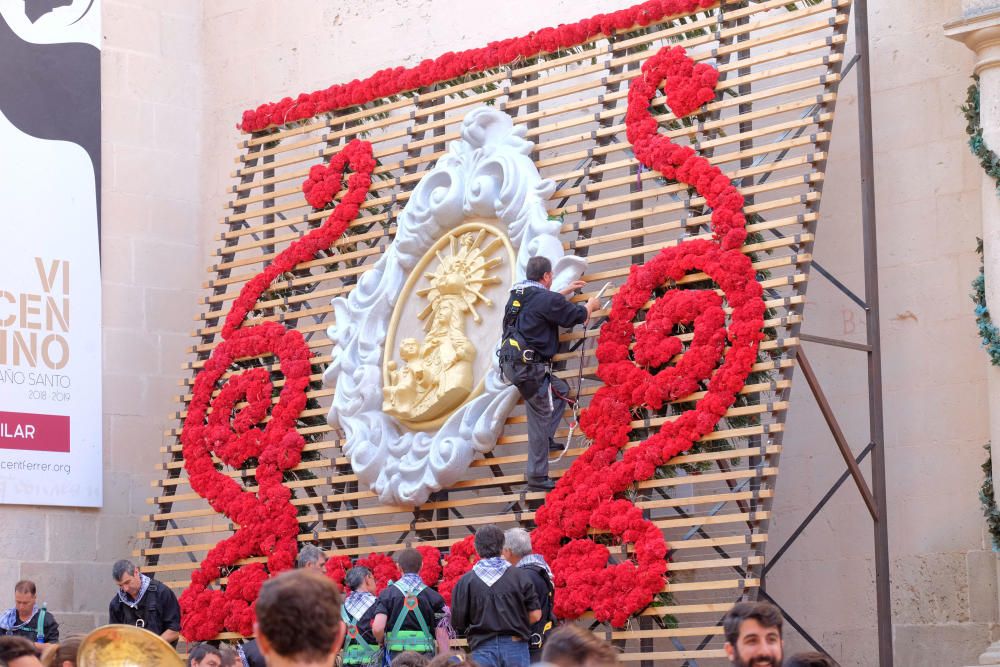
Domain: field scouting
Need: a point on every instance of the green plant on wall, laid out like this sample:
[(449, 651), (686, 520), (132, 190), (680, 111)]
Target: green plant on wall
[(988, 500), (988, 331)]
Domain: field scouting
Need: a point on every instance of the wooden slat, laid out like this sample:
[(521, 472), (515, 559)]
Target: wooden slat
[(546, 64), (385, 168), (377, 185), (759, 114)]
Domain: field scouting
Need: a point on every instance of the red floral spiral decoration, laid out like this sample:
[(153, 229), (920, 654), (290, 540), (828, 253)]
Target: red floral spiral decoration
[(267, 520), (587, 497)]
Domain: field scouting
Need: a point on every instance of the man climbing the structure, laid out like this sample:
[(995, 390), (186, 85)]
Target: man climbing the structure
[(531, 324)]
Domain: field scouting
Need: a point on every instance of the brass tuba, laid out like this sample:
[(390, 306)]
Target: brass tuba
[(126, 646)]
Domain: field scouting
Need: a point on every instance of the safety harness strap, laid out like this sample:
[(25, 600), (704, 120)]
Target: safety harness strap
[(40, 629), (422, 642), (356, 651), (513, 345)]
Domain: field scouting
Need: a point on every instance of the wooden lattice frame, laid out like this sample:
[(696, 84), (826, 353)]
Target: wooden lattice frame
[(768, 131)]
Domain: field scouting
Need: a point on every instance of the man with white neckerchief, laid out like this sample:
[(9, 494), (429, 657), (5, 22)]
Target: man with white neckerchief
[(358, 612), (518, 552), (531, 322), (495, 605), (144, 603), (26, 619)]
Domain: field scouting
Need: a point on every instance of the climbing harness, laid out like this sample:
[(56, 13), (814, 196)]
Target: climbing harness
[(399, 640), (356, 650)]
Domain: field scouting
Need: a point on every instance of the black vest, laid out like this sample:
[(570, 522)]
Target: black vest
[(547, 619), (147, 613)]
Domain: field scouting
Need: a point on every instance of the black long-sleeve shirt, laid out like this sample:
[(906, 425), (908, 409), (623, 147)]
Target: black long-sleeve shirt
[(429, 602), (482, 612), (158, 610), (542, 588), (542, 313)]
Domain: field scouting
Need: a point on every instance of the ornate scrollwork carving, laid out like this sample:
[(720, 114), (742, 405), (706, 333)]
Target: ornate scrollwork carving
[(487, 177)]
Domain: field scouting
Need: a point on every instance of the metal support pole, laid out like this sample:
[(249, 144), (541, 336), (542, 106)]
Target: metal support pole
[(884, 602)]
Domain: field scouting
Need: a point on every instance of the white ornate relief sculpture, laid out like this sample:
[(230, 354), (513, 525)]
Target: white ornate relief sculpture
[(416, 413)]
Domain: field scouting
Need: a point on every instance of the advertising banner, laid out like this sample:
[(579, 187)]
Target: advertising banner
[(50, 284)]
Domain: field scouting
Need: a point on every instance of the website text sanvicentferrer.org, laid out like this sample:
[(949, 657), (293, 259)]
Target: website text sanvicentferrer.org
[(22, 465)]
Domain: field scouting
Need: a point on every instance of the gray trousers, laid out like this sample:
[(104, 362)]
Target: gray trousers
[(533, 381)]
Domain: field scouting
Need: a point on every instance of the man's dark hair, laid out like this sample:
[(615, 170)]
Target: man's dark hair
[(537, 267), (356, 576), (762, 612), (25, 586), (298, 612), (121, 568), (410, 561), (409, 659), (811, 659), (198, 653), (12, 648), (489, 541), (569, 645)]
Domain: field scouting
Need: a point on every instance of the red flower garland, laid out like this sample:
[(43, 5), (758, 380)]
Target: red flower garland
[(267, 520), (448, 66), (336, 569), (586, 497), (431, 569), (385, 568), (460, 560)]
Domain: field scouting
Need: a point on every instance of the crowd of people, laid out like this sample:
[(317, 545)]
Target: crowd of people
[(503, 607)]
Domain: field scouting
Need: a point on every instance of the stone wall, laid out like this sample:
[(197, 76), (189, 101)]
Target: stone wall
[(152, 265)]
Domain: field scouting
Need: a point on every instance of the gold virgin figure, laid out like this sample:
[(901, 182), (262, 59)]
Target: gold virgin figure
[(436, 376)]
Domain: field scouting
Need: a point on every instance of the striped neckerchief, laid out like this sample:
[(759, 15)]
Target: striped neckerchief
[(10, 620), (490, 569), (529, 283), (358, 603), (123, 597), (535, 559)]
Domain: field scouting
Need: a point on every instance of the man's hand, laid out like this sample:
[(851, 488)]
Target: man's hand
[(592, 305), (443, 640), (572, 287), (170, 635)]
